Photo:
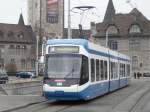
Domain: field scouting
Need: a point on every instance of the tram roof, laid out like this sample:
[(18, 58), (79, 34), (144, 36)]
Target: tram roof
[(83, 42)]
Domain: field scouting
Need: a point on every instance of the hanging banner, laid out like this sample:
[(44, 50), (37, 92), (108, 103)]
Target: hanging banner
[(52, 11)]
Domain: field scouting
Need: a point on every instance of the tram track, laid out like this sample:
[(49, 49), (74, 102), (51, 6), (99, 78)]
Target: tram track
[(42, 106), (139, 105), (132, 101), (137, 89), (23, 107)]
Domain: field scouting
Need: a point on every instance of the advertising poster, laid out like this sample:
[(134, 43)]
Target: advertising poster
[(52, 11)]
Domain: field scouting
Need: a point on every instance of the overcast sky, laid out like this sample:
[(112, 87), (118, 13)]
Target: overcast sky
[(11, 9)]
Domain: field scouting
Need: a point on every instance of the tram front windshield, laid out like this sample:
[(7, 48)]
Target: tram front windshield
[(63, 65)]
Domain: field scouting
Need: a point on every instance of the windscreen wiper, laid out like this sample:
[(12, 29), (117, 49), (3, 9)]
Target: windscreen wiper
[(70, 73)]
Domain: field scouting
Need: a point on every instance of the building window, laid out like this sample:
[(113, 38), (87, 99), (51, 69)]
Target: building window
[(1, 34), (112, 30), (32, 63), (113, 45), (12, 50), (135, 29), (1, 62), (11, 47), (23, 63), (10, 34), (134, 44), (12, 61), (23, 49), (135, 62), (2, 46), (21, 35), (18, 50)]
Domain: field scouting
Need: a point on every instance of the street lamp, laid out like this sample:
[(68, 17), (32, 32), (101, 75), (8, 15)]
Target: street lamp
[(37, 53), (69, 21)]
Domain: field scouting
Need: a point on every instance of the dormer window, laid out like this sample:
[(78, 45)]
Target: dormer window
[(24, 47), (10, 34), (112, 29), (135, 29), (18, 47), (20, 35), (1, 34)]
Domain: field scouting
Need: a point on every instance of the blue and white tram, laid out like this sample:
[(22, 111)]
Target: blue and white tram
[(76, 69)]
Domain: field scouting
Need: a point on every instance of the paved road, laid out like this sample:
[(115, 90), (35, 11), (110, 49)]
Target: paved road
[(144, 103), (124, 100)]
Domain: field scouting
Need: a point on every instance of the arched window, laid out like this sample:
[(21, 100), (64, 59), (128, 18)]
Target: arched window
[(23, 63), (21, 35), (113, 44), (112, 30), (10, 34), (135, 29), (135, 62), (24, 47)]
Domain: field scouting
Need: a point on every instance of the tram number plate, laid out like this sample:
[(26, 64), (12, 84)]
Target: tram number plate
[(59, 84)]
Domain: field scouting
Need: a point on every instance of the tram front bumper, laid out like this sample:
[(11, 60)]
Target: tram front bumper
[(60, 95)]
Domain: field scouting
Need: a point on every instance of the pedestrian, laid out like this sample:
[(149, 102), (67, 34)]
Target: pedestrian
[(138, 75), (134, 75)]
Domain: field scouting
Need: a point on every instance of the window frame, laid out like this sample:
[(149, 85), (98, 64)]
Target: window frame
[(92, 63)]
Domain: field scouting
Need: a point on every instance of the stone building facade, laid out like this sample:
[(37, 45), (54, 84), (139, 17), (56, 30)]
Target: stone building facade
[(127, 33), (38, 18), (17, 47)]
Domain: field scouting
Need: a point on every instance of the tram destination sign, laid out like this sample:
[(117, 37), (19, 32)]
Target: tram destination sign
[(64, 49)]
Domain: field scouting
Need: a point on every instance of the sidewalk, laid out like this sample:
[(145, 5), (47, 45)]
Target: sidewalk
[(12, 102)]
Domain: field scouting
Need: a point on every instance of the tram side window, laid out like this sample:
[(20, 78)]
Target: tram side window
[(105, 66), (114, 70), (124, 69), (120, 70), (102, 69), (111, 69), (97, 70), (84, 71), (92, 70), (128, 70)]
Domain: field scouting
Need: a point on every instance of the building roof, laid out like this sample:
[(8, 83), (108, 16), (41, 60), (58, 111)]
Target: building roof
[(110, 12), (123, 23), (17, 33), (21, 21)]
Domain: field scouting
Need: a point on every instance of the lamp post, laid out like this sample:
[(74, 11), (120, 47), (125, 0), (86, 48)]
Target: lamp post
[(69, 21), (106, 38), (44, 46), (37, 53)]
